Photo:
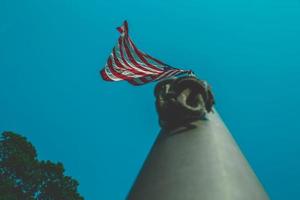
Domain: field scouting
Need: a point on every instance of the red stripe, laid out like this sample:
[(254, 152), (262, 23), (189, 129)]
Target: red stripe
[(120, 29), (122, 60), (122, 54), (144, 80), (125, 62), (130, 57), (104, 75), (156, 60), (152, 67), (122, 66), (117, 60), (153, 78), (141, 56), (114, 72), (123, 28), (163, 75), (133, 82)]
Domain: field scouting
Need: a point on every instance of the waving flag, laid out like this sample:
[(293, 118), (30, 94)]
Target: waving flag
[(127, 62)]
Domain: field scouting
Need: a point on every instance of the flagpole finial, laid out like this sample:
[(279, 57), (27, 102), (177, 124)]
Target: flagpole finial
[(182, 100)]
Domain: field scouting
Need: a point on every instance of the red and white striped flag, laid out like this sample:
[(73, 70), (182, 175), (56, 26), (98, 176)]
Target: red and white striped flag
[(127, 62)]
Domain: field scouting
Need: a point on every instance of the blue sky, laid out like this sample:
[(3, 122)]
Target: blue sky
[(50, 90)]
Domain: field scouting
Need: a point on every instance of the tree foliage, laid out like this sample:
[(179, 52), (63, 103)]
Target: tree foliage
[(24, 177)]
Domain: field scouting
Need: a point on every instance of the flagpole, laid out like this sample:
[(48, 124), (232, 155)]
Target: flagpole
[(194, 156)]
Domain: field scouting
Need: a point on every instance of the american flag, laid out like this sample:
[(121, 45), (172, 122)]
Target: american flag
[(127, 62)]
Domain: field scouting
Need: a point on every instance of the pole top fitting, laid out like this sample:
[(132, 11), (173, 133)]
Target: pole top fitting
[(180, 101)]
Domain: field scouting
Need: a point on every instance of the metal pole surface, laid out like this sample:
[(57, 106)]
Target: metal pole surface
[(198, 162)]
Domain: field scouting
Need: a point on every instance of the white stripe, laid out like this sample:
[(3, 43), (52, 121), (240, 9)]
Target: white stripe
[(129, 62), (162, 75), (137, 59), (110, 75), (168, 74), (119, 57), (173, 73), (153, 62), (157, 65), (122, 71)]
